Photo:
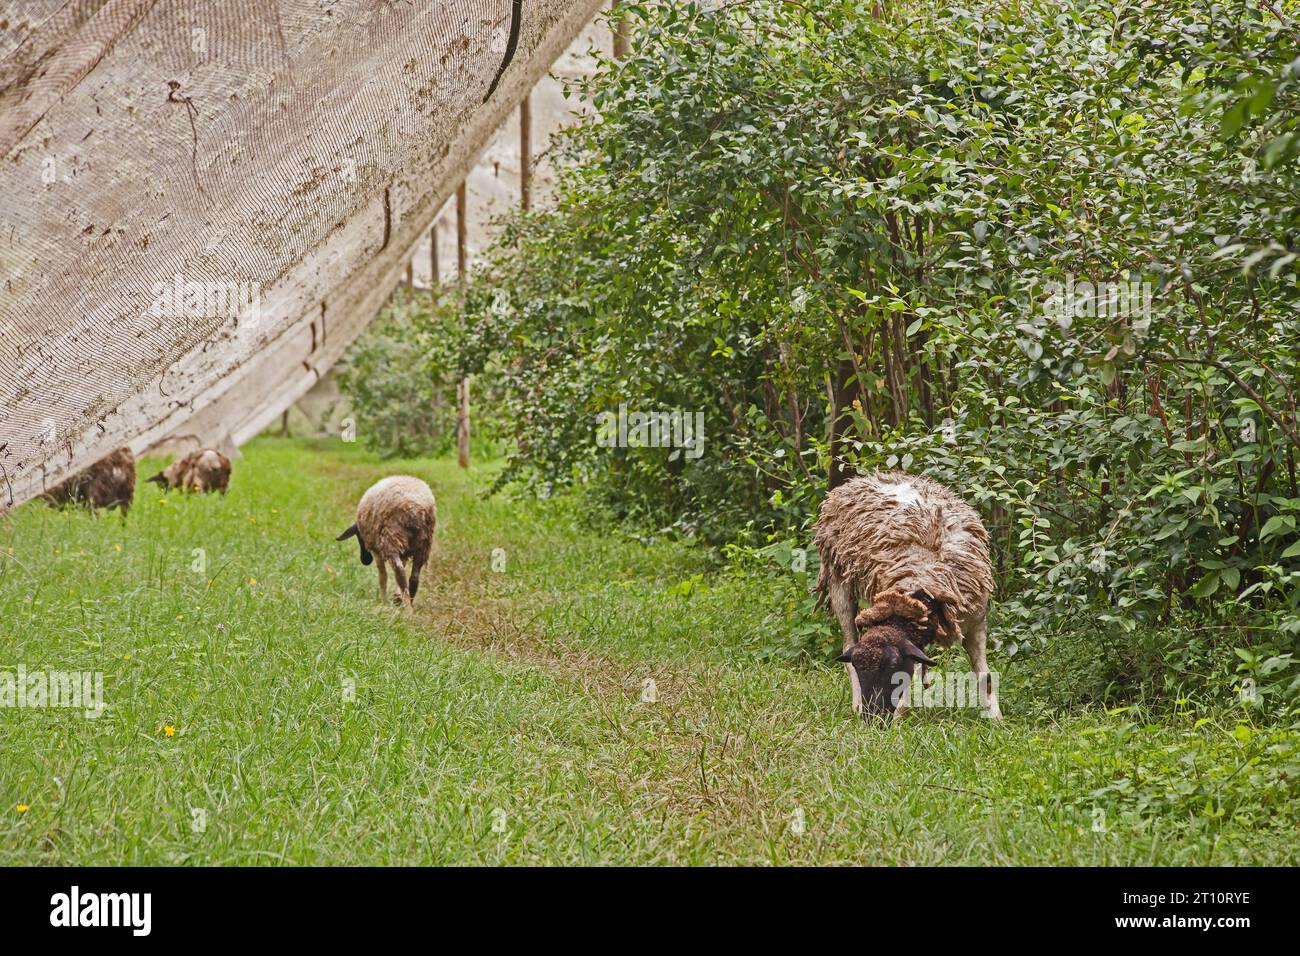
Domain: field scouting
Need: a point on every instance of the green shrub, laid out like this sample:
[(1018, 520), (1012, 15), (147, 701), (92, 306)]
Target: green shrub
[(401, 377)]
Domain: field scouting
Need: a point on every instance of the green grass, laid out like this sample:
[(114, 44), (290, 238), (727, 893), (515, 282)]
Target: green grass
[(516, 696)]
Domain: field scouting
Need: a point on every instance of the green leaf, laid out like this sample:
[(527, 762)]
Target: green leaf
[(1206, 586), (1277, 525)]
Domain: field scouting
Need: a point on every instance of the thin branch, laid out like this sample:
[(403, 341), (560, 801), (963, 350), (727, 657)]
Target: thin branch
[(1288, 428)]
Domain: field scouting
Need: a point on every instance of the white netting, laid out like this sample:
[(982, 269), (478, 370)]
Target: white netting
[(203, 202)]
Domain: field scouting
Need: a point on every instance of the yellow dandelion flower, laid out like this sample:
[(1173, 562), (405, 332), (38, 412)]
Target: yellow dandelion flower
[(169, 730), (117, 547), (162, 501), (22, 808), (252, 582)]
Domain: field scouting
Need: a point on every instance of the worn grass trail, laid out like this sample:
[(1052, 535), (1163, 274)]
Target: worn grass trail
[(555, 698)]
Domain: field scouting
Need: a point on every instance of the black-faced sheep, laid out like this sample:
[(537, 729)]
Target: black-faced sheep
[(920, 555), (202, 470), (395, 522), (108, 483)]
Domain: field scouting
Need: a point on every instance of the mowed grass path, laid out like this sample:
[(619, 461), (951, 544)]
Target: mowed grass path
[(506, 721)]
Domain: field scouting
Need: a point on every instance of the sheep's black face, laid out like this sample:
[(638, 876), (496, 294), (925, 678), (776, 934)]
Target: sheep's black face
[(885, 662), (884, 682)]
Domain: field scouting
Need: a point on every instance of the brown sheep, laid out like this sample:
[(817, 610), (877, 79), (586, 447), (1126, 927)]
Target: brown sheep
[(109, 483), (395, 521), (920, 555), (202, 470)]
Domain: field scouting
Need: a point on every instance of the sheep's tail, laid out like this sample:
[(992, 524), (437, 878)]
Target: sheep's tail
[(344, 536)]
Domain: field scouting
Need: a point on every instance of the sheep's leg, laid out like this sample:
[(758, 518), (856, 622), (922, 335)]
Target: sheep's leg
[(400, 574), (974, 640), (383, 581), (417, 565), (845, 609)]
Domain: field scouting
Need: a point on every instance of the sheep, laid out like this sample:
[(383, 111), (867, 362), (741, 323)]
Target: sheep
[(108, 483), (203, 470), (395, 521), (920, 555)]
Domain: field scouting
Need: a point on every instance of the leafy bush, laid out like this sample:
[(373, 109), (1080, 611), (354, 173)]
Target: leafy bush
[(1044, 252), (401, 376)]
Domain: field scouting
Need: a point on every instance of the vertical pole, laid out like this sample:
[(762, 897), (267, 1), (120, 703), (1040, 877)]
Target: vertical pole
[(462, 388), (434, 272), (435, 277), (460, 231), (622, 37), (526, 152), (410, 273), (462, 423)]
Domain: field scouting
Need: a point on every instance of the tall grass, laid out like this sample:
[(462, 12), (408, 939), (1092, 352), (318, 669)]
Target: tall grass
[(578, 704)]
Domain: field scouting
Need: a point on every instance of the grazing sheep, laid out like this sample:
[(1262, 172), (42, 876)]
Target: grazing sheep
[(108, 483), (203, 470), (920, 555), (395, 521)]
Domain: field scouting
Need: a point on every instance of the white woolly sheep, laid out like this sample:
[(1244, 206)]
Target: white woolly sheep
[(202, 470), (395, 521), (920, 555), (108, 483)]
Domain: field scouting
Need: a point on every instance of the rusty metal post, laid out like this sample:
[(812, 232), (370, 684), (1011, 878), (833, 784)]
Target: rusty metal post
[(622, 37), (462, 389), (526, 152), (461, 264), (435, 273)]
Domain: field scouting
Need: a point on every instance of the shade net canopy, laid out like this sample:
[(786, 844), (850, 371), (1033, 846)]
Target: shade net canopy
[(202, 202)]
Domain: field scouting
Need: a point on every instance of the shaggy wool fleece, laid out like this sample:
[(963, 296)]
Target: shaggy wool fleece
[(396, 518), (894, 531), (108, 483), (202, 470)]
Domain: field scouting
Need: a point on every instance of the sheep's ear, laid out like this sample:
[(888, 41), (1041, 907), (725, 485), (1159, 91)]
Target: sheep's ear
[(343, 537), (158, 478), (846, 657)]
